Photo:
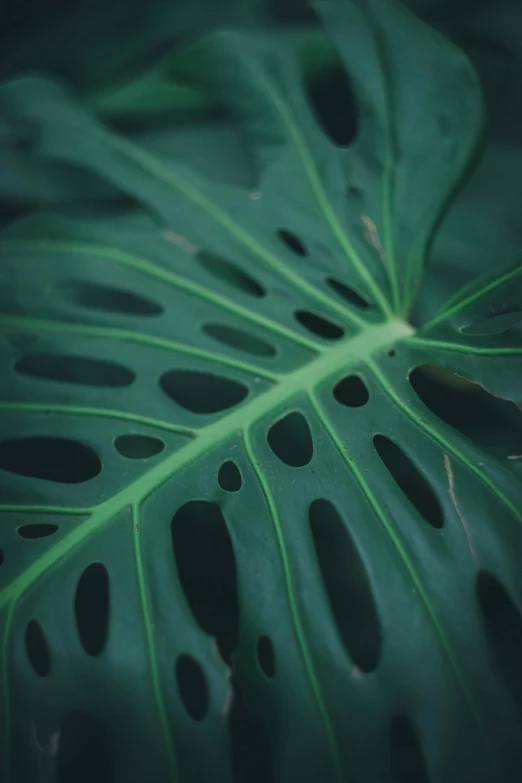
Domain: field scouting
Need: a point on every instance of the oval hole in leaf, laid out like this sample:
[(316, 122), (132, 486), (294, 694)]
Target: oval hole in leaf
[(495, 424), (292, 242), (231, 274), (38, 530), (291, 440), (37, 649), (265, 655), (351, 391), (410, 480), (84, 755), (229, 477), (407, 762), (332, 99), (105, 298), (53, 459), (2, 556), (347, 293), (192, 687), (347, 585), (318, 325), (237, 338), (138, 446), (74, 369), (250, 748), (503, 622), (91, 607), (495, 324), (202, 392), (207, 570)]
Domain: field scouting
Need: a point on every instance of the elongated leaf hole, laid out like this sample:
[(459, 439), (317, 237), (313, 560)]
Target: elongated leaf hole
[(2, 556), (331, 97), (38, 530), (250, 747), (91, 607), (292, 242), (291, 440), (54, 459), (229, 477), (410, 480), (202, 392), (347, 293), (347, 585), (74, 369), (503, 622), (105, 298), (37, 649), (495, 324), (495, 424), (192, 687), (138, 446), (265, 655), (207, 570), (84, 755), (351, 391), (231, 274), (407, 762), (239, 339), (318, 325)]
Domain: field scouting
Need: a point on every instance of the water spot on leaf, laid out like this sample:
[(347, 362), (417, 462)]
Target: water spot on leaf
[(207, 570), (39, 530), (292, 242), (347, 293), (229, 477), (410, 480), (138, 446), (331, 97), (53, 459), (503, 622), (192, 687), (116, 300), (351, 391), (237, 338), (249, 741), (407, 762), (493, 423), (74, 369), (37, 649), (291, 440), (231, 274), (265, 655), (318, 325), (347, 585), (495, 324), (84, 754), (91, 607), (202, 392)]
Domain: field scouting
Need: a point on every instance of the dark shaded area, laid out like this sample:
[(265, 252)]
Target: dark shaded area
[(503, 624), (202, 392), (91, 607), (407, 762), (105, 298), (319, 325), (410, 480), (250, 747), (351, 391), (84, 755), (266, 655), (291, 440), (37, 649), (347, 585), (38, 530), (238, 338), (333, 103), (207, 570), (230, 274), (292, 242), (53, 459), (192, 687), (347, 293), (67, 368), (138, 446)]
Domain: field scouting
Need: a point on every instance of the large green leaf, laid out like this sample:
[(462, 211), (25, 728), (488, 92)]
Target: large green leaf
[(254, 525)]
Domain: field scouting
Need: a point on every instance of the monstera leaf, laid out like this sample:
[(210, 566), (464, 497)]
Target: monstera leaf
[(255, 525)]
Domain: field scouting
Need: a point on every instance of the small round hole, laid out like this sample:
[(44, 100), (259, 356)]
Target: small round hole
[(392, 352), (265, 655), (229, 477)]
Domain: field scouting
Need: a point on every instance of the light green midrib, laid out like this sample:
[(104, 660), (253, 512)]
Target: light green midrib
[(339, 358)]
